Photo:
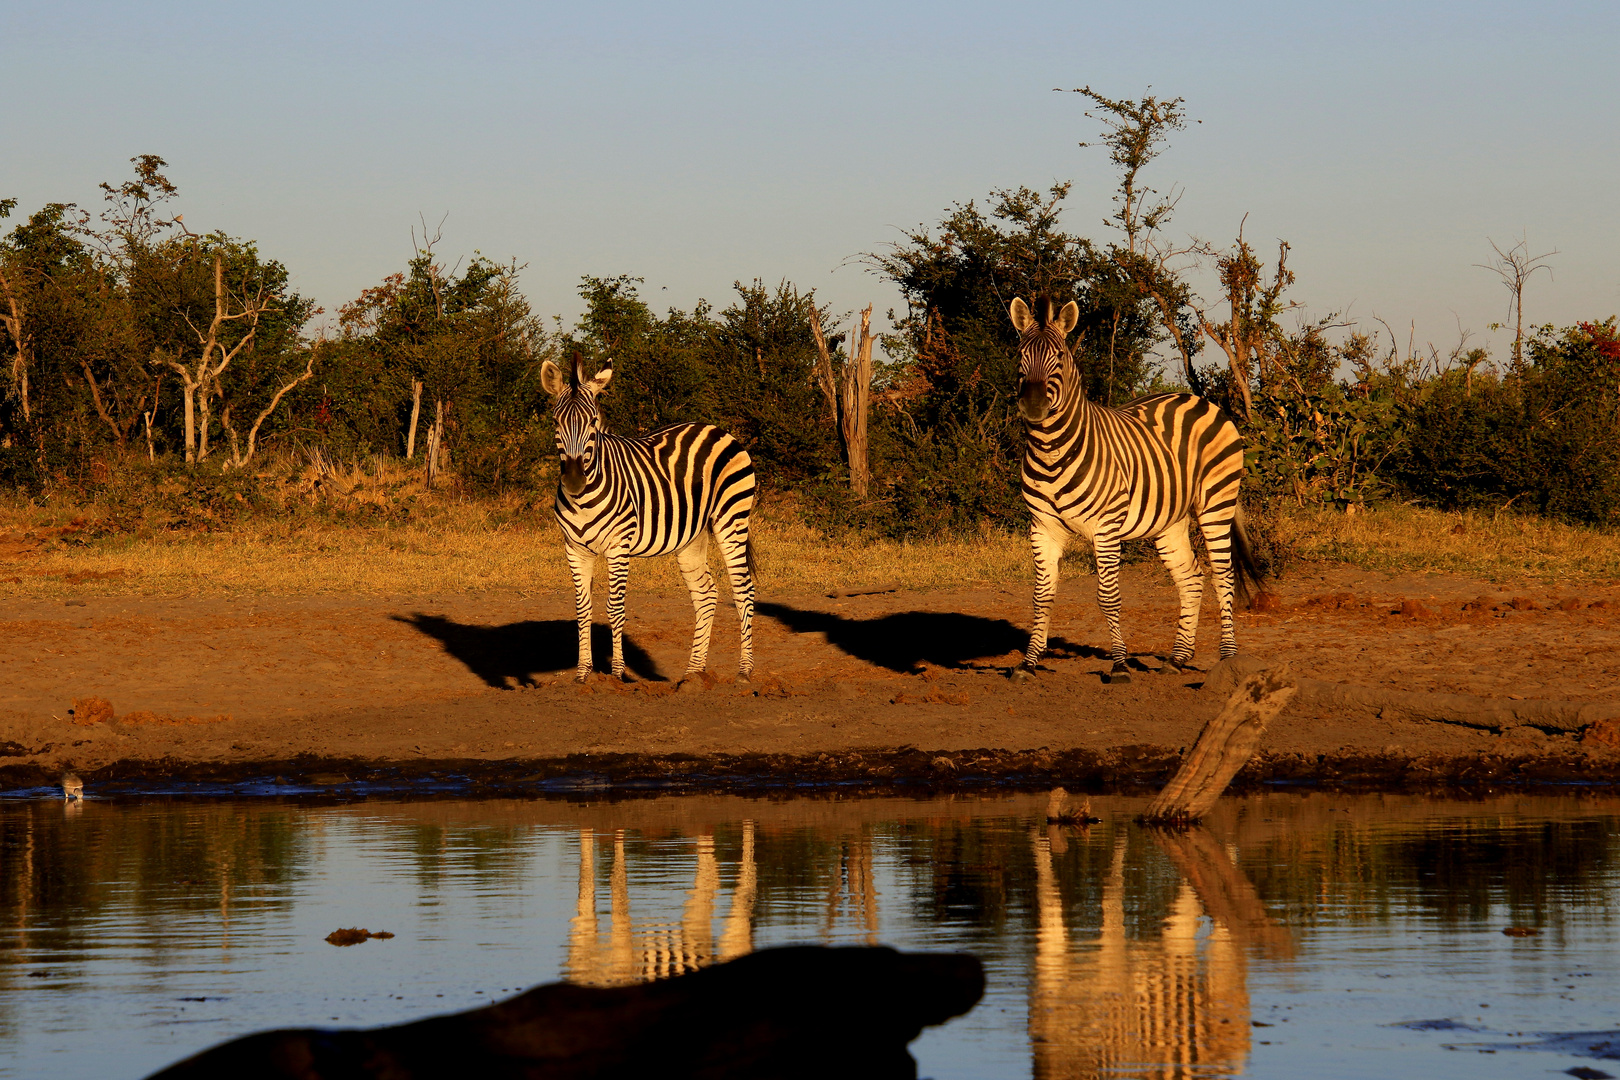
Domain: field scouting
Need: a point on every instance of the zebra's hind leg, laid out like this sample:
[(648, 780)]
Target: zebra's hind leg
[(1175, 548), (618, 579), (693, 560), (582, 563), (1048, 550), (738, 556), (1217, 531), (1107, 549)]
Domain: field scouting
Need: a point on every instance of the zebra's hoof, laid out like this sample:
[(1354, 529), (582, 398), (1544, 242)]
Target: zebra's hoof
[(580, 678), (692, 684), (1021, 674), (1116, 677)]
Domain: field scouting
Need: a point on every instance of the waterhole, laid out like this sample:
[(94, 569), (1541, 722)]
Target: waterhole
[(1294, 935)]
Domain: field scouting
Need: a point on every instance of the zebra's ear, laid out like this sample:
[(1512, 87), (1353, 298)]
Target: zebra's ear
[(1068, 318), (599, 384), (551, 378), (1021, 317)]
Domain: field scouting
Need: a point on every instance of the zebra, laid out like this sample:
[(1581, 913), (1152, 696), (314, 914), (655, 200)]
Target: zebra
[(1144, 470), (663, 493)]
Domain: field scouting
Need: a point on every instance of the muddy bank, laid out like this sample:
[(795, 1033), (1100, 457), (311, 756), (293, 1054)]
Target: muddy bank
[(902, 690), (1130, 770)]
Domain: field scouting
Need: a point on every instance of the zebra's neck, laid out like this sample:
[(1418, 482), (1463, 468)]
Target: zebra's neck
[(1067, 423)]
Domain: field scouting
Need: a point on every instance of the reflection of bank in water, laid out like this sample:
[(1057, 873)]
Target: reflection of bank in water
[(1174, 1006)]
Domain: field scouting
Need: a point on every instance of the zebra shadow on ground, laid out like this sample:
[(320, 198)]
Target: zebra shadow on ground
[(902, 641), (511, 656)]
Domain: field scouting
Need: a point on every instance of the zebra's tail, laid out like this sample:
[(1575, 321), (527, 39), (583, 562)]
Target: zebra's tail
[(1246, 571)]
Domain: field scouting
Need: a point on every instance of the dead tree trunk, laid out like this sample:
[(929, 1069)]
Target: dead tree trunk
[(856, 394), (416, 412), (848, 395), (1224, 746), (435, 438), (12, 319), (824, 367)]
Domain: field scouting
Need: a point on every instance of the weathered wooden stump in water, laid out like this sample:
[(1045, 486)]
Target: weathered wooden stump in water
[(798, 1012), (1224, 746)]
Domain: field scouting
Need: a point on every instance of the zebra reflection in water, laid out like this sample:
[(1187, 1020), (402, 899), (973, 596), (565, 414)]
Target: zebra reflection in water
[(1173, 1006)]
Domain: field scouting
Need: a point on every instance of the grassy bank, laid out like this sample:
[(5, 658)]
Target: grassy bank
[(452, 546)]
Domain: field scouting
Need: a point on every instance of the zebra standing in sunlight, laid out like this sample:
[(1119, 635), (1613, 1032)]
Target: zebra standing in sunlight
[(1143, 470), (660, 494)]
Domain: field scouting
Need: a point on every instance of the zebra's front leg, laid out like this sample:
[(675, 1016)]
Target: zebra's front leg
[(693, 560), (1048, 551), (618, 580), (1107, 549), (1175, 548), (582, 563)]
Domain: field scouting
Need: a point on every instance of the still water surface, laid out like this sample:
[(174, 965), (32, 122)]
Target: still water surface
[(1288, 938)]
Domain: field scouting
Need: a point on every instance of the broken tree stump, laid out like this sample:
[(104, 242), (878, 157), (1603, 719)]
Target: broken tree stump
[(801, 1012), (1224, 746)]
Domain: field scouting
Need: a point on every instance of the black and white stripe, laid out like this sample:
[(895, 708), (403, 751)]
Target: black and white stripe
[(665, 493), (1145, 470)]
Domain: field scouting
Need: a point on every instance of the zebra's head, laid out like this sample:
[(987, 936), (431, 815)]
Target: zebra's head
[(573, 406), (1044, 359)]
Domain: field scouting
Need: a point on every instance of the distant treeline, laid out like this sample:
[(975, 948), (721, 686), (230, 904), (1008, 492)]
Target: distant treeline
[(132, 343)]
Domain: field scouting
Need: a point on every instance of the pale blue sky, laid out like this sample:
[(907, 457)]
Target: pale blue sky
[(694, 145)]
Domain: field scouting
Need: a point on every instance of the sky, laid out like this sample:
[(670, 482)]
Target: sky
[(700, 144)]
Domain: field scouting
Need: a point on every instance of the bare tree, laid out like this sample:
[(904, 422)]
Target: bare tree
[(1253, 307), (1515, 267), (199, 379), (856, 395), (1136, 132), (238, 458), (12, 319), (848, 394)]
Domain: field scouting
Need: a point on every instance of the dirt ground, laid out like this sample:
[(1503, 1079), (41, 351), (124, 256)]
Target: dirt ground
[(877, 684)]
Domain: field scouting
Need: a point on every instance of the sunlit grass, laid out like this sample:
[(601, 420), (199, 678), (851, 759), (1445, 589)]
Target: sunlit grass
[(460, 547), (1408, 539)]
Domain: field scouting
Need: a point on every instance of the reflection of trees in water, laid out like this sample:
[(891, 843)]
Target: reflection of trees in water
[(1170, 1003), (490, 853), (1353, 863), (59, 867), (183, 868)]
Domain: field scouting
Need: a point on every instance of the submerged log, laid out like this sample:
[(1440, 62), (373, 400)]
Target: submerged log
[(796, 1012), (1224, 746)]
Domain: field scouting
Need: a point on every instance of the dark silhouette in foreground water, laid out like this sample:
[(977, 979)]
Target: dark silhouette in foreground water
[(804, 1011)]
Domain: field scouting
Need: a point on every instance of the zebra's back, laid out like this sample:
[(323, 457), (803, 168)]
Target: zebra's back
[(660, 490)]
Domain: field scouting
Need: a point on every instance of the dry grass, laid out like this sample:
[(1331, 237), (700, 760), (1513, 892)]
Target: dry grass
[(466, 548), (1407, 539), (457, 547)]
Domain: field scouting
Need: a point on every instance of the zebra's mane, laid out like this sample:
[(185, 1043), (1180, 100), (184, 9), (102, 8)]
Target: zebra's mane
[(1045, 309)]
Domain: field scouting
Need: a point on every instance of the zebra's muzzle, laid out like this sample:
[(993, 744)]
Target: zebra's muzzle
[(573, 474), (1033, 402)]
